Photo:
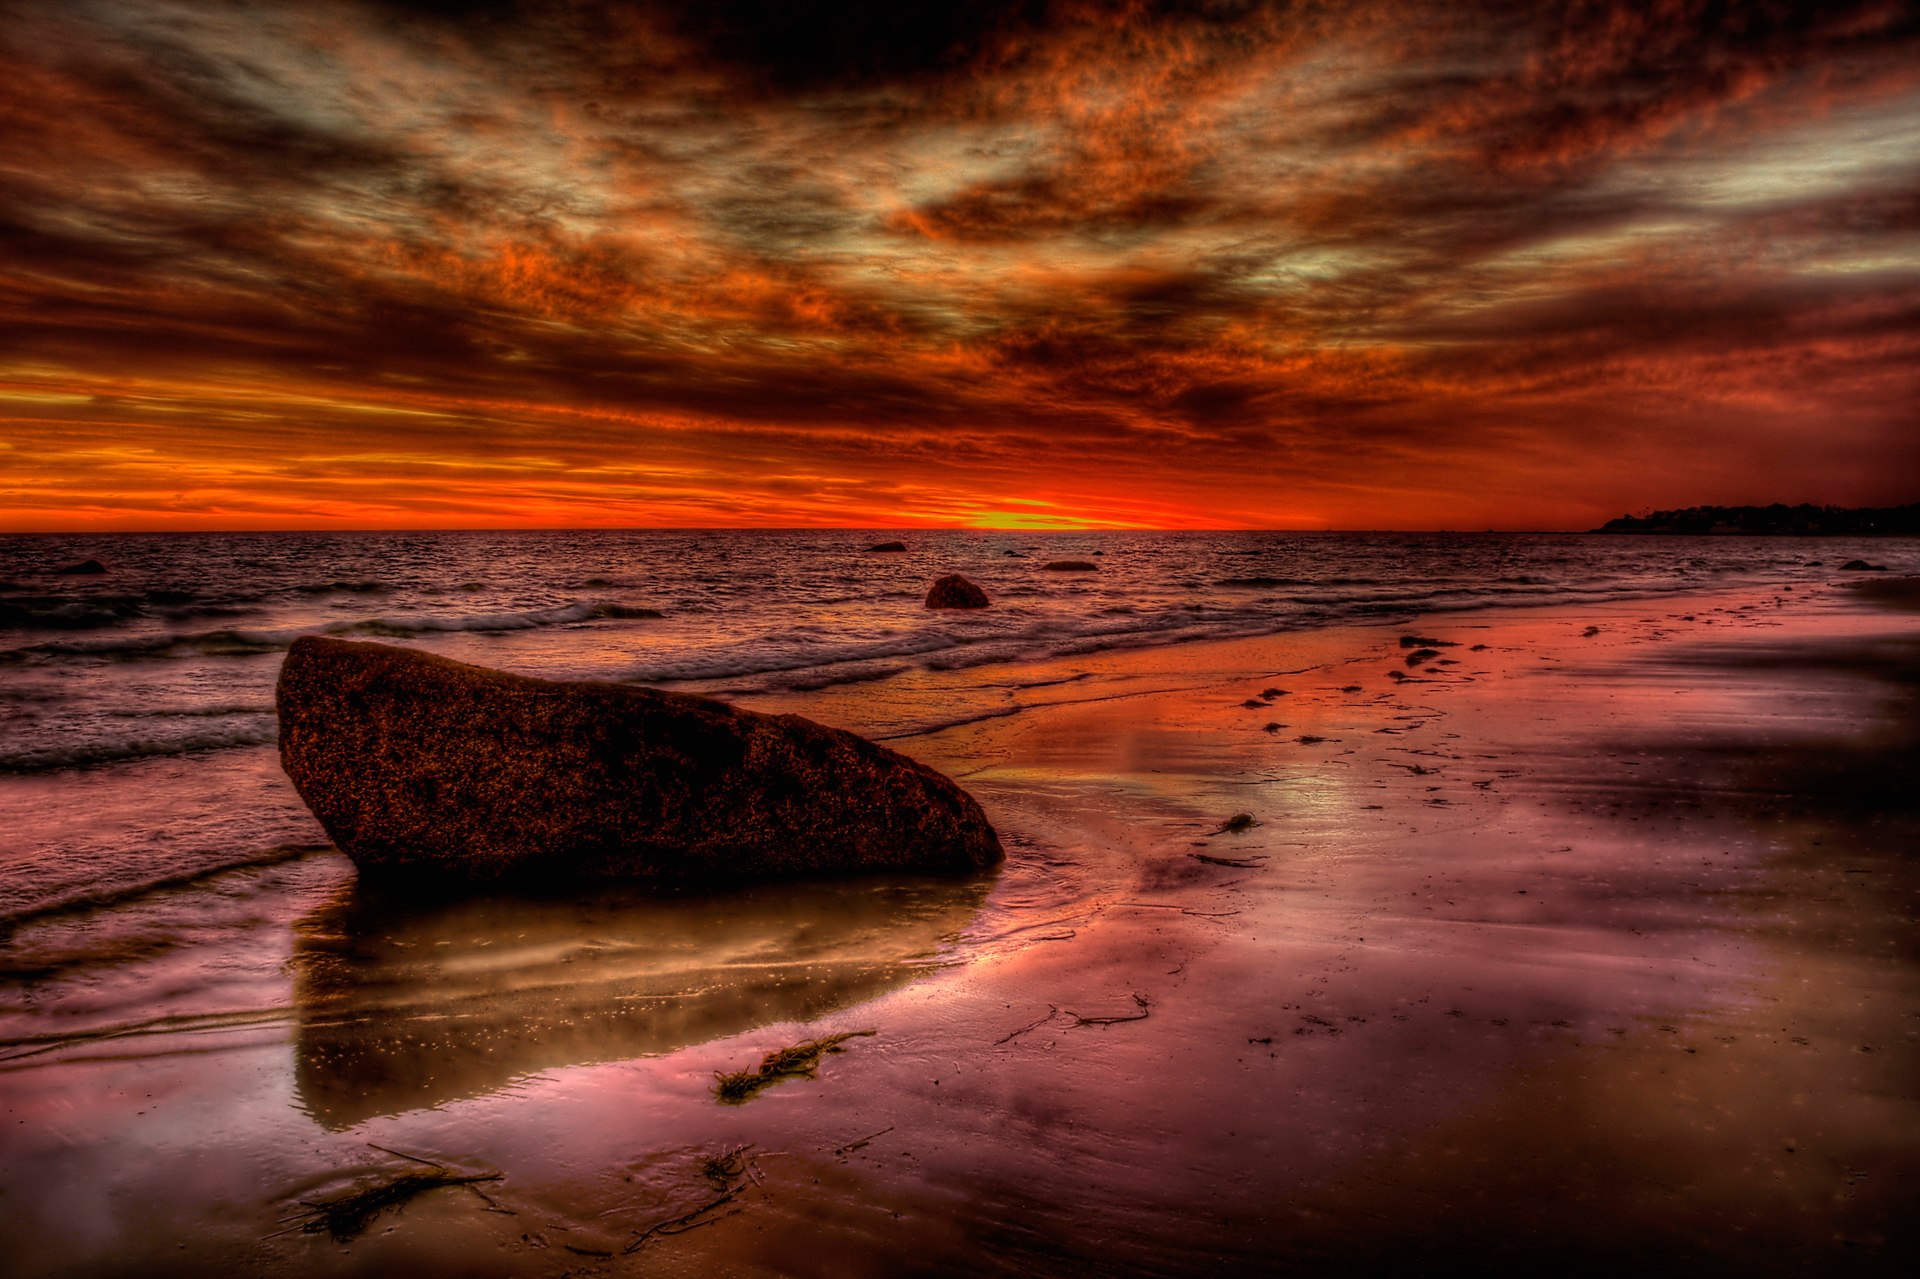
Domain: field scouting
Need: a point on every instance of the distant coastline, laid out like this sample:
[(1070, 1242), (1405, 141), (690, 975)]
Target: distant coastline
[(1805, 520)]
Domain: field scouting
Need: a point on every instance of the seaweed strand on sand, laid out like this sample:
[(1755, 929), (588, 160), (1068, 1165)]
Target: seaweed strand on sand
[(734, 1088)]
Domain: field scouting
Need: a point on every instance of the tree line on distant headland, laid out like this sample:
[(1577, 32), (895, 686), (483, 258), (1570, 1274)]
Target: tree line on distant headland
[(1805, 520)]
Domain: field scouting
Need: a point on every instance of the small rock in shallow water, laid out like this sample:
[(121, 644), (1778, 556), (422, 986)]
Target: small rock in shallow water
[(433, 769), (84, 566), (955, 591), (1854, 566), (1072, 566), (889, 546)]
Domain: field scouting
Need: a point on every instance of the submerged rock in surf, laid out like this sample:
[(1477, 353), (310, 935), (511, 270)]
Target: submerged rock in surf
[(421, 766), (889, 546), (1072, 566), (83, 567), (955, 591)]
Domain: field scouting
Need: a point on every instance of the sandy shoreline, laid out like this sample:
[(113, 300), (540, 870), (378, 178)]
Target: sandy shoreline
[(1576, 950)]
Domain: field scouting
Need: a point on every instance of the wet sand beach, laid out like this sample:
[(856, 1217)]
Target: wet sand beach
[(1582, 941)]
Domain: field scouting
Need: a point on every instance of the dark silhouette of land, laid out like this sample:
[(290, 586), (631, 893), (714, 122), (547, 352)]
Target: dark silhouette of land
[(1805, 520)]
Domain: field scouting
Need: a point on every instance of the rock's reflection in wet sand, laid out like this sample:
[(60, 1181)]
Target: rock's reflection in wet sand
[(402, 1007)]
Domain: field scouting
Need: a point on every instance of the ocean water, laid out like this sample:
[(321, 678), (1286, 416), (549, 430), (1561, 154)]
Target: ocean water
[(206, 1018), (136, 706)]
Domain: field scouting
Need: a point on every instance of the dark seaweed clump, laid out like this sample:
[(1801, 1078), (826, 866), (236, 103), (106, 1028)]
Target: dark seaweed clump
[(733, 1088)]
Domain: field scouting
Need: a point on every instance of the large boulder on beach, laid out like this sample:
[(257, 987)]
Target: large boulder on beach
[(425, 767), (955, 591)]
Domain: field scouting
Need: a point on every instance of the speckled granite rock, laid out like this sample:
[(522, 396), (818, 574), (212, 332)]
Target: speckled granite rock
[(419, 765)]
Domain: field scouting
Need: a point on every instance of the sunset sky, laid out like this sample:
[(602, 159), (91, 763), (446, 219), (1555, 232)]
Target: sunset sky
[(1201, 264)]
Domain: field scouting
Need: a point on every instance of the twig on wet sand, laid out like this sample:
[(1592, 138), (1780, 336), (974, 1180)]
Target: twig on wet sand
[(1052, 1012), (1145, 1012), (680, 1225), (855, 1145)]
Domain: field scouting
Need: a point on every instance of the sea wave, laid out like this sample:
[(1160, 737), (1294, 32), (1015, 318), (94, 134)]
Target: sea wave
[(96, 895), (233, 641), (228, 640), (62, 612), (331, 588), (806, 649), (89, 612), (42, 758), (858, 673), (983, 654), (529, 619), (789, 656)]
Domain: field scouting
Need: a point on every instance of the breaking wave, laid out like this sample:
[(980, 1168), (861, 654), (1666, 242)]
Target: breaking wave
[(242, 641), (17, 759)]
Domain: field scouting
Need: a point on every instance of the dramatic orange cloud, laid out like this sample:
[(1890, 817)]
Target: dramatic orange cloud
[(1214, 263)]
